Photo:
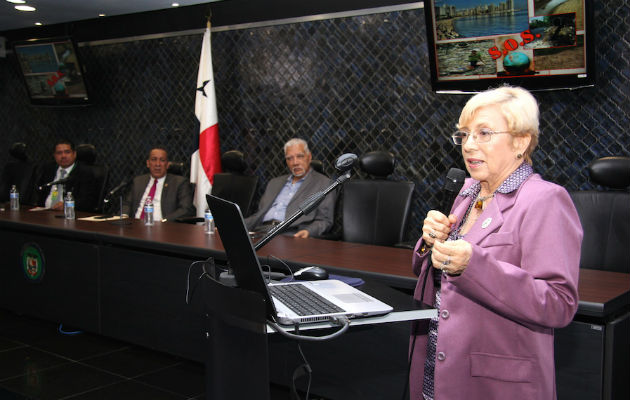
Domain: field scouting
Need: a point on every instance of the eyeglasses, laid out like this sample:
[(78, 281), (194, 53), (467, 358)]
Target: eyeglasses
[(481, 136)]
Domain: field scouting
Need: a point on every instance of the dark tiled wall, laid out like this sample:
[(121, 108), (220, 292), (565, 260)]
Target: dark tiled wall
[(346, 85)]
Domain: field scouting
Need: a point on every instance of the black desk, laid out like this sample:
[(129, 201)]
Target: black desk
[(128, 282)]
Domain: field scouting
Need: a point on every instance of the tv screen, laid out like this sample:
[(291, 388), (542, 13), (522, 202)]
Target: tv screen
[(52, 72), (536, 44)]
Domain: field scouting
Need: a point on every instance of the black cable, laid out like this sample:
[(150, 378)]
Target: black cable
[(285, 264), (305, 368), (207, 261)]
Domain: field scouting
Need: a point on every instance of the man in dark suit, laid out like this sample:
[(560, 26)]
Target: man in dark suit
[(80, 180), (171, 194), (284, 194)]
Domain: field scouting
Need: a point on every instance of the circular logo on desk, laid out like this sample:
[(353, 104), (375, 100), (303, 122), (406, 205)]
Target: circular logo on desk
[(32, 262)]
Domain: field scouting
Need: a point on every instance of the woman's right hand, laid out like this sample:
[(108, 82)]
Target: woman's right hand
[(437, 226)]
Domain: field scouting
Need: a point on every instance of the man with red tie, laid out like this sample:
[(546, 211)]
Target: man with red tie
[(171, 194)]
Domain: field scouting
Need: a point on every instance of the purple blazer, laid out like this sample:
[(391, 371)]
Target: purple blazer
[(495, 334)]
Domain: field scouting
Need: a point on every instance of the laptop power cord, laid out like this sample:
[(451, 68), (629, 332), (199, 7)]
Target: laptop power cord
[(342, 321)]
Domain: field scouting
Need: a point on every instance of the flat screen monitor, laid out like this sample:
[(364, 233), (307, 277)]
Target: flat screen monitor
[(536, 44), (52, 72)]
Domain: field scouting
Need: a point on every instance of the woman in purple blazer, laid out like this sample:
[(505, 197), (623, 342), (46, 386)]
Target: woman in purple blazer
[(502, 268)]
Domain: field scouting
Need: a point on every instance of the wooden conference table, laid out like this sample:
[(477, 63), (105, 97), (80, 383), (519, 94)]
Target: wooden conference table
[(129, 281)]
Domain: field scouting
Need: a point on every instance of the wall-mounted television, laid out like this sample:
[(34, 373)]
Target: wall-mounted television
[(52, 72), (536, 44)]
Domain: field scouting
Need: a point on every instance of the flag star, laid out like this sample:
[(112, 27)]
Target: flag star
[(202, 89)]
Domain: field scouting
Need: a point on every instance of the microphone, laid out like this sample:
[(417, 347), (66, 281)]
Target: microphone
[(57, 182), (115, 190), (344, 164), (454, 183)]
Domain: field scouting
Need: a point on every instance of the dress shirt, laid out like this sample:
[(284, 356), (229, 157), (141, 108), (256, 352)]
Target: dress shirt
[(278, 209), (48, 203), (157, 209)]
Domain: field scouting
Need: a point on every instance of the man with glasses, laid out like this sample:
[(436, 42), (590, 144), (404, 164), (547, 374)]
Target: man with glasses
[(284, 194)]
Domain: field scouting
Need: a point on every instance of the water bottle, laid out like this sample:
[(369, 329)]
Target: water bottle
[(148, 212), (15, 198), (209, 222), (68, 206)]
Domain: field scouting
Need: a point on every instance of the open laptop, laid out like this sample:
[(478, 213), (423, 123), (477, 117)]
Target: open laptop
[(345, 299)]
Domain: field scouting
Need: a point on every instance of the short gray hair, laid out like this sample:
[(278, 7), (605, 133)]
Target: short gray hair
[(294, 142), (518, 107)]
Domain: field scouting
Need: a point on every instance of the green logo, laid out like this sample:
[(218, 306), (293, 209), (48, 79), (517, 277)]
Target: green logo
[(32, 262)]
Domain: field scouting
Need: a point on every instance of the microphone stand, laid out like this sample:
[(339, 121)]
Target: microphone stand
[(307, 206), (120, 220), (119, 189)]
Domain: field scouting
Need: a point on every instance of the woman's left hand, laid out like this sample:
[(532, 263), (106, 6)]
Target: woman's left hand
[(451, 257)]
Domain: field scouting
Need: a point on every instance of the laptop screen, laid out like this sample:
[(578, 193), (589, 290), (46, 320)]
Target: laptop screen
[(239, 249)]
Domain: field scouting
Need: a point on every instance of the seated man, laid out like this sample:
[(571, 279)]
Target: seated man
[(171, 194), (284, 194), (80, 181)]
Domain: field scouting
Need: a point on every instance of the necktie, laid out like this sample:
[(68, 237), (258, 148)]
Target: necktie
[(149, 196)]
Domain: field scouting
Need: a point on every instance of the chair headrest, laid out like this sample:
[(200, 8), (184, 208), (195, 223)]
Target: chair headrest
[(18, 150), (233, 161), (378, 163), (318, 166), (613, 172), (175, 167), (86, 153)]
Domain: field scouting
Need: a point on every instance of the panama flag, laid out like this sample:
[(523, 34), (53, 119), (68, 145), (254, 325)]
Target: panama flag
[(206, 161)]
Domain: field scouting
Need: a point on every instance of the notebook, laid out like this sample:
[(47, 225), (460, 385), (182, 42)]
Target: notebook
[(345, 299)]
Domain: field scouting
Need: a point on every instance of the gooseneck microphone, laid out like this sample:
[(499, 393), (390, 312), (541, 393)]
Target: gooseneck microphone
[(344, 164), (57, 182), (454, 183), (115, 190)]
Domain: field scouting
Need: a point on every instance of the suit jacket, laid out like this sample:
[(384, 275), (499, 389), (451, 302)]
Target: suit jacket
[(81, 183), (317, 222), (496, 319), (176, 200)]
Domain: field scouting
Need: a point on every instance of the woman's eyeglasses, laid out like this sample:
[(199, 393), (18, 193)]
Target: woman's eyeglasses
[(481, 136)]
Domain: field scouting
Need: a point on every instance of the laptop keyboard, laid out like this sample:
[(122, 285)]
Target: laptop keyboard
[(302, 300)]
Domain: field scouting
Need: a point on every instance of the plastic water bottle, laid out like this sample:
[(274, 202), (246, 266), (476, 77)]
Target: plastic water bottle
[(14, 196), (68, 206), (209, 222), (148, 212)]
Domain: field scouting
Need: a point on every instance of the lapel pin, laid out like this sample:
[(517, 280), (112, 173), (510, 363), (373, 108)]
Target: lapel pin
[(486, 222)]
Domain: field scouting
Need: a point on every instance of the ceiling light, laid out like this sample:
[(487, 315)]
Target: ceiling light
[(17, 1), (175, 4), (101, 15), (25, 8), (38, 23)]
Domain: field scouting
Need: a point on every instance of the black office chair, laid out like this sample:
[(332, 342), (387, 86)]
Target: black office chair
[(19, 172), (233, 184), (176, 167), (86, 155), (318, 166), (375, 211), (605, 216)]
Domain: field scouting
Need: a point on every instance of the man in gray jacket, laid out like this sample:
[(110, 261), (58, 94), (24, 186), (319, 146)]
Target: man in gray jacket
[(284, 194)]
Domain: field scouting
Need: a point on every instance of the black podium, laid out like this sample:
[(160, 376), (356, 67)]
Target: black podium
[(243, 356), (237, 366)]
